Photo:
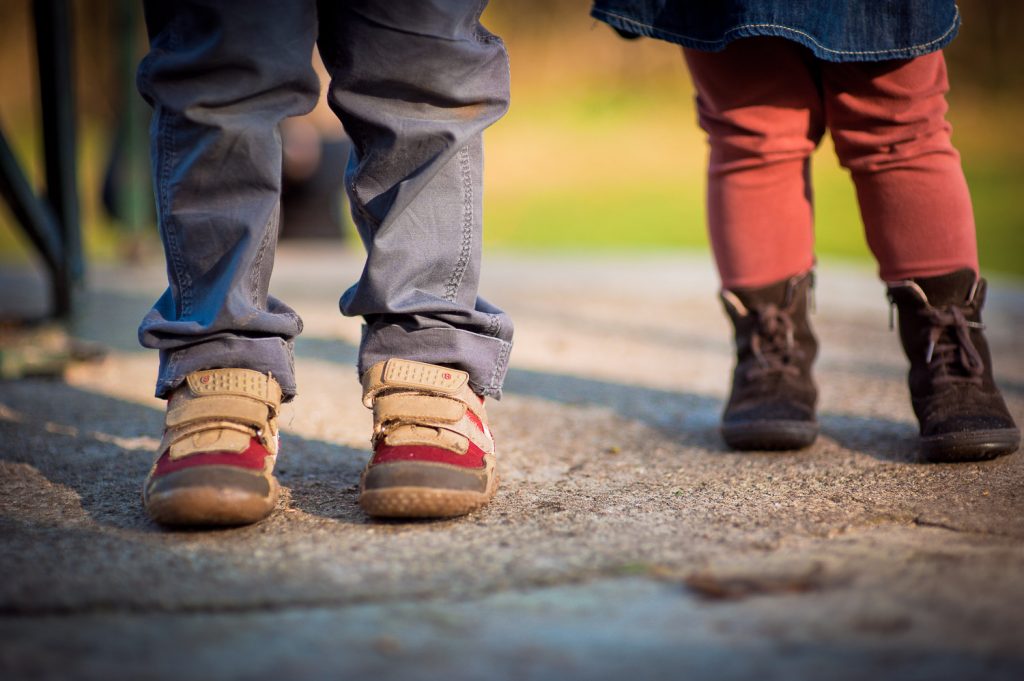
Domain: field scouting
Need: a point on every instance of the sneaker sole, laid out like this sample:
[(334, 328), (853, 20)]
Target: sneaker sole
[(425, 501), (210, 496), (979, 445), (420, 502), (770, 435)]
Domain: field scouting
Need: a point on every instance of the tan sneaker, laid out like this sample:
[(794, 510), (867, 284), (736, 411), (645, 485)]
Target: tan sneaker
[(218, 451), (433, 454)]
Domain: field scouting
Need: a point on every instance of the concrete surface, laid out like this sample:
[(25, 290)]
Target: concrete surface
[(625, 539)]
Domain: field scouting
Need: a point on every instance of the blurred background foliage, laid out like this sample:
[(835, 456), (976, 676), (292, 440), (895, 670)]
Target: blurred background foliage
[(600, 149)]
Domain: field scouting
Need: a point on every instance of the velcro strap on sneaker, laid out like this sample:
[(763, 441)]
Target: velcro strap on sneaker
[(226, 407), (221, 410), (417, 403), (175, 435), (393, 412), (394, 374), (228, 439), (237, 382), (431, 437), (417, 408)]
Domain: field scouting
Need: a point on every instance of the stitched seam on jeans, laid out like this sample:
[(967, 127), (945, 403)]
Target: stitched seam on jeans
[(173, 246), (465, 170), (808, 36), (493, 325), (479, 32), (166, 151), (499, 365), (254, 277)]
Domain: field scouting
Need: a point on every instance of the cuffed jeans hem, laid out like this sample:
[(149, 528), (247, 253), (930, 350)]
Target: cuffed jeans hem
[(266, 355), (485, 358)]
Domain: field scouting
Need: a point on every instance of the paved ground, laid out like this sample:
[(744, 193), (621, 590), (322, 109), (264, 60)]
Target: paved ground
[(625, 539)]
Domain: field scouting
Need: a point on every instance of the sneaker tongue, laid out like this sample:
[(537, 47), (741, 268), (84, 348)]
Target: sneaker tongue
[(948, 289)]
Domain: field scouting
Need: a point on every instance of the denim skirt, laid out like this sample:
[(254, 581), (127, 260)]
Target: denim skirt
[(839, 30)]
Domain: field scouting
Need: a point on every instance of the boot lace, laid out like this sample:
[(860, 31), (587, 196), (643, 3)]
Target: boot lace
[(772, 343), (951, 355)]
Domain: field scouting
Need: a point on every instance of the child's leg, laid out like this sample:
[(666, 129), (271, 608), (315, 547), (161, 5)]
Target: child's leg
[(888, 123), (760, 103), (217, 169), (221, 76), (415, 84)]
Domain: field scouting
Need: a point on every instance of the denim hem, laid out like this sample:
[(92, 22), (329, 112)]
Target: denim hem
[(266, 355), (820, 51), (484, 358)]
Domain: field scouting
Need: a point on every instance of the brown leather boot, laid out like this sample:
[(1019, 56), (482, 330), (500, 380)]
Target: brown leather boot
[(773, 395), (962, 414)]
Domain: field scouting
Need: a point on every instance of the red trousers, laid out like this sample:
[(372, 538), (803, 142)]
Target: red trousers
[(765, 104)]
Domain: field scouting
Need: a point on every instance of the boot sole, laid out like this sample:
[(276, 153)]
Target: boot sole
[(978, 445), (175, 500), (770, 435)]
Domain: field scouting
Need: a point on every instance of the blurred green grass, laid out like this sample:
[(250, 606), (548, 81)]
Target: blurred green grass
[(622, 169), (639, 184)]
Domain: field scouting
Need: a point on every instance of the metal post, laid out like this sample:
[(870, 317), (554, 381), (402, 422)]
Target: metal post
[(134, 207), (32, 214), (57, 97)]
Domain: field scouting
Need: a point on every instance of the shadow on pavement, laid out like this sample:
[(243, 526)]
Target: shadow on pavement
[(883, 439), (102, 447), (107, 470), (687, 418)]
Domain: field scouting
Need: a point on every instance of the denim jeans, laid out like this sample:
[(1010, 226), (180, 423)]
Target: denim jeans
[(414, 83)]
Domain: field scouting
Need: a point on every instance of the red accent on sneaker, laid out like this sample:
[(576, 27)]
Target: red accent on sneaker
[(476, 420), (252, 458), (473, 458)]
